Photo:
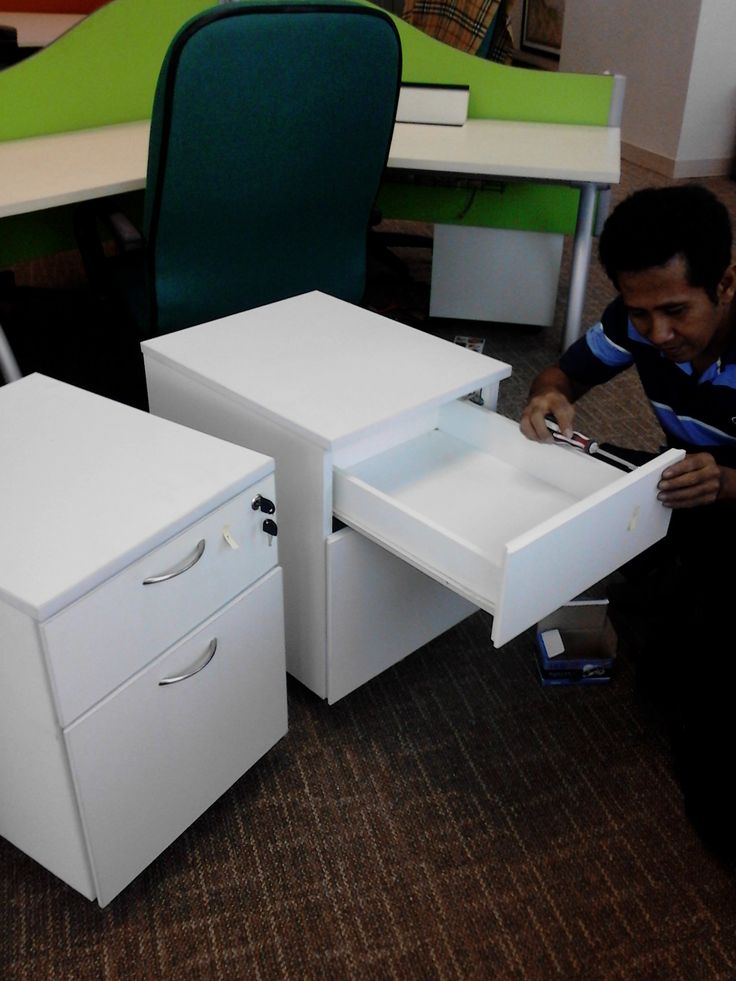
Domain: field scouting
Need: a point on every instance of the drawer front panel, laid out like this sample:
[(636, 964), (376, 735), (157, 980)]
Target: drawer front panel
[(556, 561), (101, 640), (150, 759)]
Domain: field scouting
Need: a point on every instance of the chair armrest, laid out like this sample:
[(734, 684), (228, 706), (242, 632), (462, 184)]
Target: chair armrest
[(126, 235), (91, 219)]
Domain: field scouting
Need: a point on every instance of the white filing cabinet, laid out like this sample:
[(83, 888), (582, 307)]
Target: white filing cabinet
[(475, 274), (446, 506), (141, 629)]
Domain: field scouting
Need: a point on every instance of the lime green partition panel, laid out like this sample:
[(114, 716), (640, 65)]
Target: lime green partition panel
[(526, 207), (503, 92), (500, 91), (103, 70)]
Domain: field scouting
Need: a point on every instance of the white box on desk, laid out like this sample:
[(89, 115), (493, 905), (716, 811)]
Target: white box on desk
[(445, 105)]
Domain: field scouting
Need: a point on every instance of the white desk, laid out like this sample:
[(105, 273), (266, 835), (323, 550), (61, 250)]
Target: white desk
[(588, 157), (64, 168), (525, 151), (38, 30)]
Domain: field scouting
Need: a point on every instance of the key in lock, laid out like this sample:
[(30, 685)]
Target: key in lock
[(271, 529)]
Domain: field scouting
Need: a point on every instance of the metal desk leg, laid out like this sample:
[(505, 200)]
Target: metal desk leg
[(580, 264), (8, 365)]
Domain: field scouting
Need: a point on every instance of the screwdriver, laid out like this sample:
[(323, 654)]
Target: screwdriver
[(585, 444)]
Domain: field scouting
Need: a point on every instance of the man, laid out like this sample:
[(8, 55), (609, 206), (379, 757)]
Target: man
[(668, 253)]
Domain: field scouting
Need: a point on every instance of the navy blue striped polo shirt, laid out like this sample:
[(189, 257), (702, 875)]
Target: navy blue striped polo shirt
[(696, 414)]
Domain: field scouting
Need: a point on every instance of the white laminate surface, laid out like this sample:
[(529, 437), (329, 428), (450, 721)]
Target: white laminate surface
[(109, 484), (36, 30), (63, 168), (501, 148), (324, 368)]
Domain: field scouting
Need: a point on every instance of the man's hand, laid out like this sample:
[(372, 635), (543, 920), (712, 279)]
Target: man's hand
[(552, 403), (695, 481), (552, 394)]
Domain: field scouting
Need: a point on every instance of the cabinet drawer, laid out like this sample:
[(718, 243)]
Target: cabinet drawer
[(150, 759), (516, 527), (99, 641)]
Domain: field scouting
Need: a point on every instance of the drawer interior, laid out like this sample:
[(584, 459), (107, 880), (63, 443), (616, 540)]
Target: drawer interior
[(516, 527), (478, 497)]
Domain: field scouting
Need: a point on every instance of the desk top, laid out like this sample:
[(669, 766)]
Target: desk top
[(63, 168), (502, 148), (38, 30)]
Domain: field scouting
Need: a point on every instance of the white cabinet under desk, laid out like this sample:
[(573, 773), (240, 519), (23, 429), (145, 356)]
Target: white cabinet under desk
[(141, 629), (446, 506)]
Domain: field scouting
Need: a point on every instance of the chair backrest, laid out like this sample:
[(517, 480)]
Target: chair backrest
[(270, 133)]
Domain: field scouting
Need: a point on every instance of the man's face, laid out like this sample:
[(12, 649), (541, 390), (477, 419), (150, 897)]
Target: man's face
[(679, 319)]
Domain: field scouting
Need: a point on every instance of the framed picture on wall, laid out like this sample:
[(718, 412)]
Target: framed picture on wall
[(541, 26)]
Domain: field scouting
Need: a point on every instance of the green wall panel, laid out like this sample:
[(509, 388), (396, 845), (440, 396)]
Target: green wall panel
[(102, 71), (503, 92), (530, 207)]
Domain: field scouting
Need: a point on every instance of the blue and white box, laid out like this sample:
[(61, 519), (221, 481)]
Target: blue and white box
[(577, 644)]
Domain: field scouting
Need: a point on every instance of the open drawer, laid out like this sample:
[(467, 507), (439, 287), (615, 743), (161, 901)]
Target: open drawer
[(516, 527)]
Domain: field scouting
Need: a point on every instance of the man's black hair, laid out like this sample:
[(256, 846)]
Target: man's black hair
[(654, 225)]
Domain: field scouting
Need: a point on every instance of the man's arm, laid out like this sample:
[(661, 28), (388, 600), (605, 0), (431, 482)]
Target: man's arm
[(553, 392)]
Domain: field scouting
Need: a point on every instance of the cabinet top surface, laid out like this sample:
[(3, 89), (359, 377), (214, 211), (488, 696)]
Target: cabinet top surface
[(91, 484), (323, 367)]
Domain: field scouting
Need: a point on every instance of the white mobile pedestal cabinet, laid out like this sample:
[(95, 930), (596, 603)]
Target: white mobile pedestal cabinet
[(141, 629), (447, 507)]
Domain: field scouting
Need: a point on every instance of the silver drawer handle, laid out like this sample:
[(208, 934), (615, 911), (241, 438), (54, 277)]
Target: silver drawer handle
[(208, 655), (178, 569)]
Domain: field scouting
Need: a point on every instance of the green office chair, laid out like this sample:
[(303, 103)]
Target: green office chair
[(270, 133)]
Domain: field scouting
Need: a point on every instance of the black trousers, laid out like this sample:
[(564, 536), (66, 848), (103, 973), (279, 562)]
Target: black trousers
[(675, 610)]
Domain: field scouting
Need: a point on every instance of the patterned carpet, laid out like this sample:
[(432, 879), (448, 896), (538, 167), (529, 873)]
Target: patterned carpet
[(452, 819)]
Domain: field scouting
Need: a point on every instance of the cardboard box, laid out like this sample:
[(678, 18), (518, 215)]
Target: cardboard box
[(577, 644)]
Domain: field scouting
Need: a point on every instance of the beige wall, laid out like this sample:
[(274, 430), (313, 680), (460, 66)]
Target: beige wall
[(709, 122), (680, 106)]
